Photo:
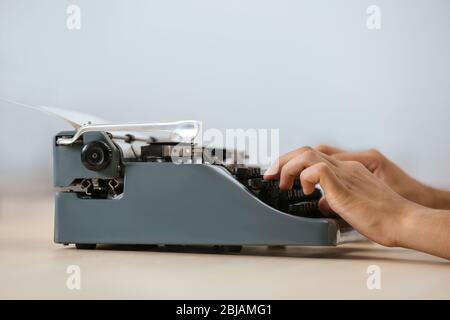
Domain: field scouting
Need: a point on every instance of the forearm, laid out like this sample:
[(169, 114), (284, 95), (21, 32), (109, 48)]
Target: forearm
[(439, 199), (424, 195), (420, 193), (426, 230)]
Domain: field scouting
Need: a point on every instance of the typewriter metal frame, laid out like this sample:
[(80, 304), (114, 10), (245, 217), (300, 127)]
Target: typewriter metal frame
[(137, 202)]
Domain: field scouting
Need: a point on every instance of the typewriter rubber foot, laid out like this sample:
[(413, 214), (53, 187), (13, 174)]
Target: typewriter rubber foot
[(85, 246), (228, 249)]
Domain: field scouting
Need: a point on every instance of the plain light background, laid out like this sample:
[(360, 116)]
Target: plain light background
[(310, 68)]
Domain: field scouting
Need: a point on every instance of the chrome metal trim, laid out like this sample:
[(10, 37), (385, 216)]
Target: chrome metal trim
[(180, 130)]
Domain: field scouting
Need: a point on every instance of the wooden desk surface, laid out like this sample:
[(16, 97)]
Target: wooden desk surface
[(32, 266)]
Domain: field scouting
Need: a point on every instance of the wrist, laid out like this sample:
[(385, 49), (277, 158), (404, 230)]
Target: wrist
[(408, 223), (426, 196), (438, 199)]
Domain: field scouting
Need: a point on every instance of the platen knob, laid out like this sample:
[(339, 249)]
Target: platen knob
[(96, 155)]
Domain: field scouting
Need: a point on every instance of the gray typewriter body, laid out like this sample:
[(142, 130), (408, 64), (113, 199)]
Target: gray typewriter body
[(148, 200)]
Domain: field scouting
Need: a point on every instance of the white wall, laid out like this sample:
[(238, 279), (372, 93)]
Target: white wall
[(308, 67)]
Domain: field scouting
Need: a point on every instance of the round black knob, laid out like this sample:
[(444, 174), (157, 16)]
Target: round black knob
[(96, 155)]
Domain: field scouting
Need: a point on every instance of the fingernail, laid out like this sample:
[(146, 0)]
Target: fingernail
[(271, 171)]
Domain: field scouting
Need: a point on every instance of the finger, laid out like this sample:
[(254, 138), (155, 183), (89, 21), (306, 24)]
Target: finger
[(324, 206), (323, 174), (368, 158), (274, 171), (328, 150), (291, 170)]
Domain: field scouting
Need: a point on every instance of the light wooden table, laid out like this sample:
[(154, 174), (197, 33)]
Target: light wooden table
[(32, 266)]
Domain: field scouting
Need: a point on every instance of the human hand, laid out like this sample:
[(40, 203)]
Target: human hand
[(350, 190), (390, 174)]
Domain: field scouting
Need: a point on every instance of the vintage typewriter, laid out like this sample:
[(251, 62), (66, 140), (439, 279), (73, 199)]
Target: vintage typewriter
[(122, 188), (153, 184)]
